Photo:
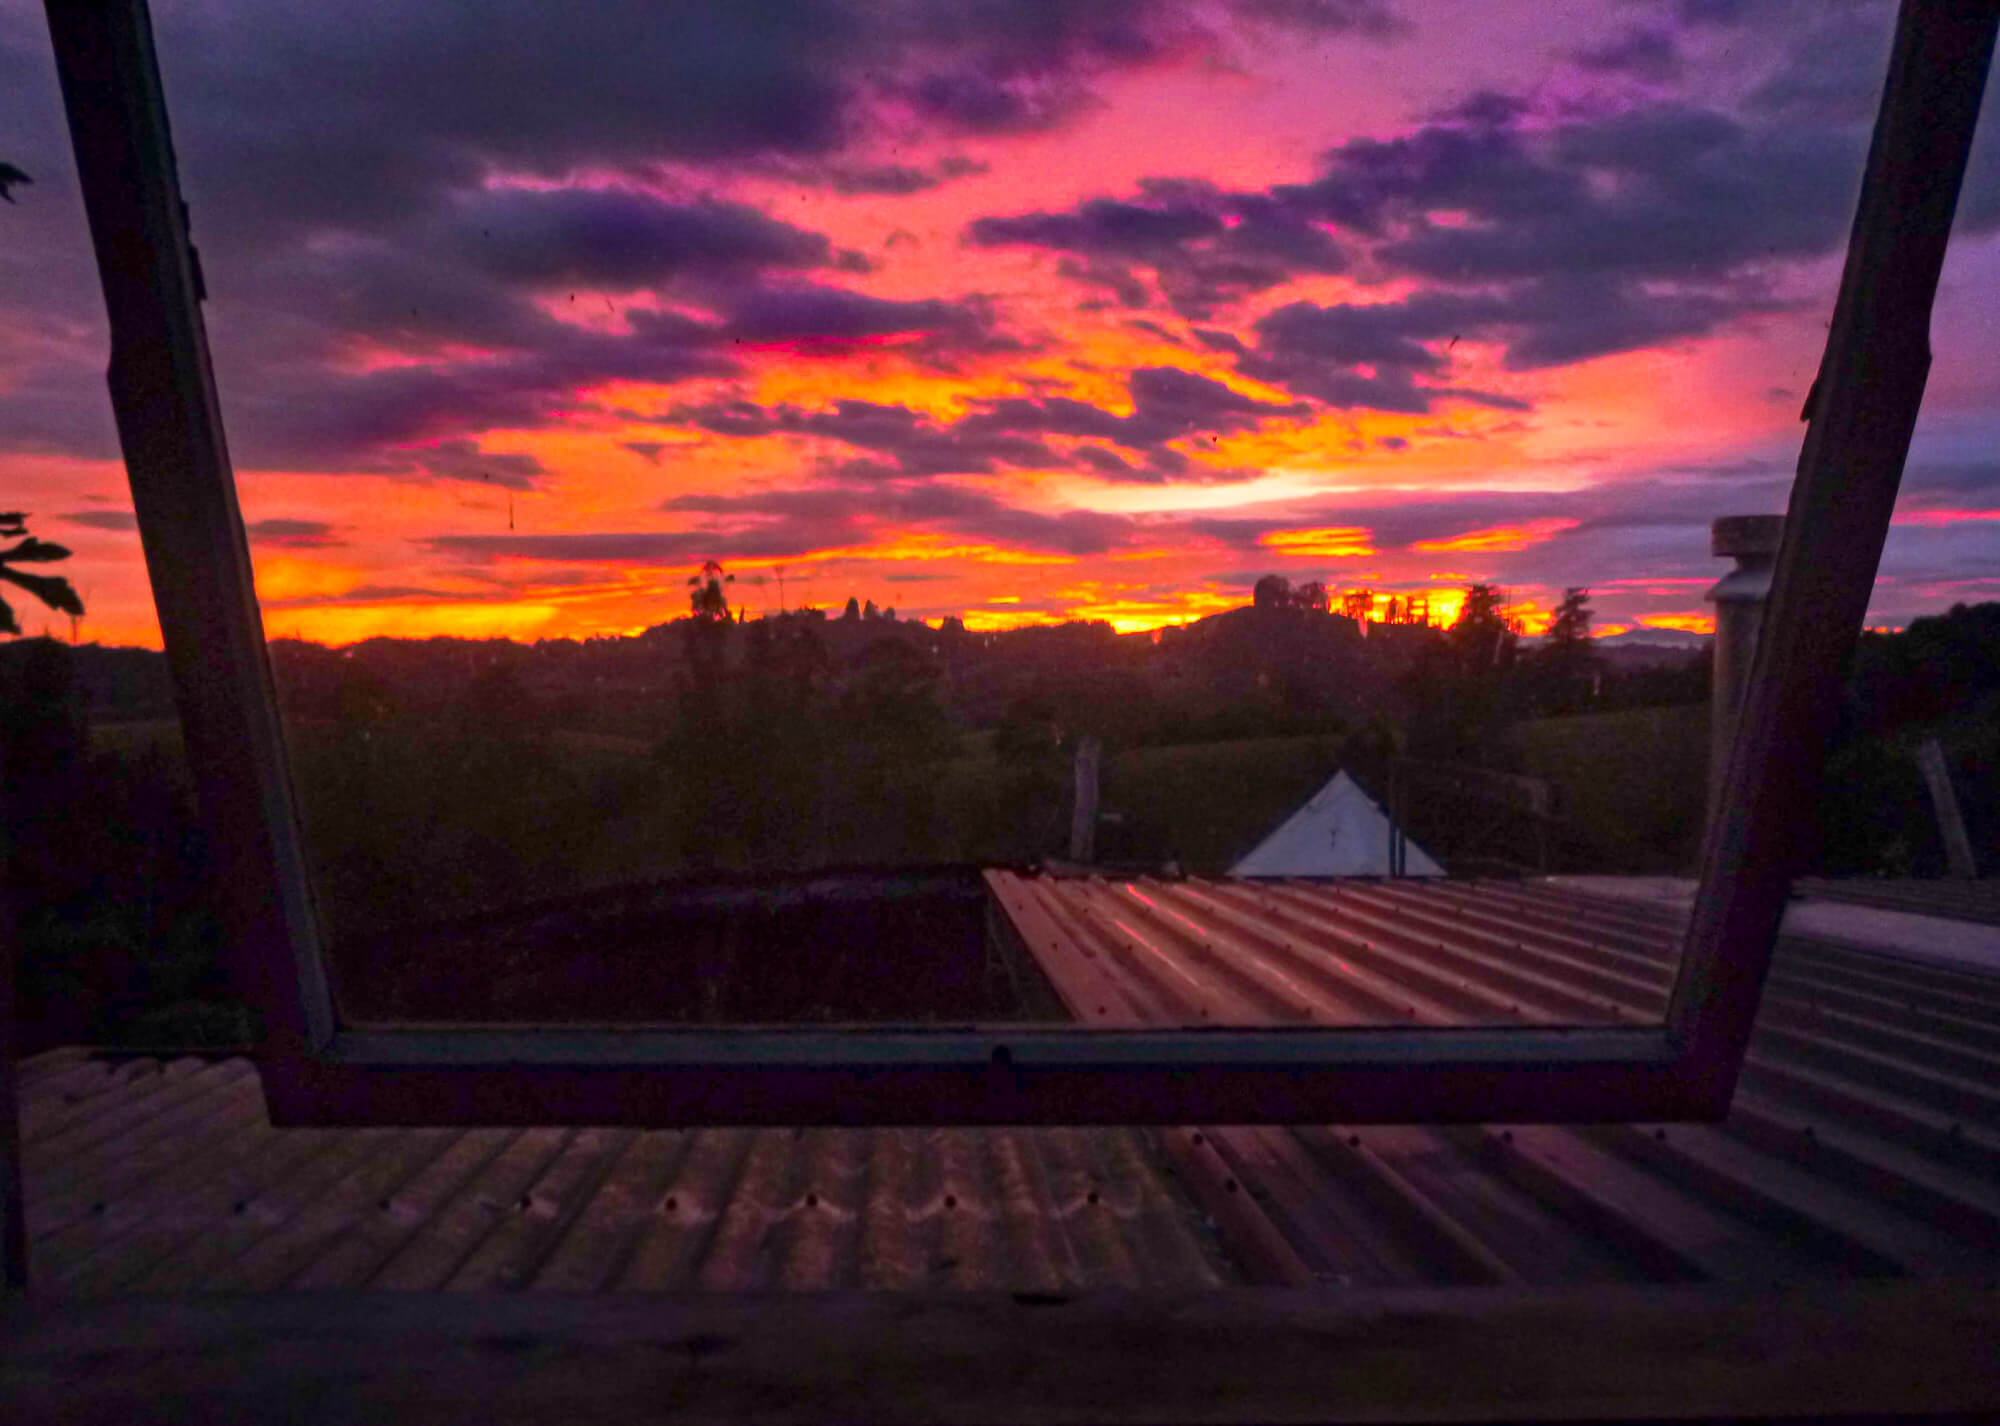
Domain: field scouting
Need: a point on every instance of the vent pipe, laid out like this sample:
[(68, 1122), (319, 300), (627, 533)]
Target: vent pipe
[(1739, 598)]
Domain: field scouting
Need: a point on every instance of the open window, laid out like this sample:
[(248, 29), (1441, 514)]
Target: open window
[(332, 1054)]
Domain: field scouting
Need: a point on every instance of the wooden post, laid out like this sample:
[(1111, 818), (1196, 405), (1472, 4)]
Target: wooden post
[(1083, 818), (1944, 801)]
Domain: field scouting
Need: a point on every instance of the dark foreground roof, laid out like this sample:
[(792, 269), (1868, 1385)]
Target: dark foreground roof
[(1960, 900), (1865, 1141)]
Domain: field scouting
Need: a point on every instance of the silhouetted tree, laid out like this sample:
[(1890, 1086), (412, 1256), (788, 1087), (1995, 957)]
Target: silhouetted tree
[(51, 590), (709, 601), (852, 613), (1562, 670), (1273, 591), (1481, 635)]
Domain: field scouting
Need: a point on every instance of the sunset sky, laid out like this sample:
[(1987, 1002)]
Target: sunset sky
[(1017, 311)]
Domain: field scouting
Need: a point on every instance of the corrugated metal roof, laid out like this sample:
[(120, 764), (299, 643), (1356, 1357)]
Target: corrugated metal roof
[(1865, 1139), (1959, 900), (145, 1175)]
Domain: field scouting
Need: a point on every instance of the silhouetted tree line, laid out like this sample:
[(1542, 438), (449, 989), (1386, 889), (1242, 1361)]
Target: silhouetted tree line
[(107, 875), (1938, 678)]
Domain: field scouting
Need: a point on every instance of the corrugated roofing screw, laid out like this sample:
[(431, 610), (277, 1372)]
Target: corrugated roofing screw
[(951, 1200), (1353, 1141), (673, 1204), (812, 1200)]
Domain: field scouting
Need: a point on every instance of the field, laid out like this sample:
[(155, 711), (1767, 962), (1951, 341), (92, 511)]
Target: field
[(1630, 786)]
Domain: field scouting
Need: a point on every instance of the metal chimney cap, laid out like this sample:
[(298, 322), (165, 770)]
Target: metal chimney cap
[(1746, 536)]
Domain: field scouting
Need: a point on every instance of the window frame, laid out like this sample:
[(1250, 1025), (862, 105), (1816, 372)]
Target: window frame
[(316, 1070)]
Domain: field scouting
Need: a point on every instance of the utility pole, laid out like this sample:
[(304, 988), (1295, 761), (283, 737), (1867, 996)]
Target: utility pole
[(1083, 817), (1944, 802)]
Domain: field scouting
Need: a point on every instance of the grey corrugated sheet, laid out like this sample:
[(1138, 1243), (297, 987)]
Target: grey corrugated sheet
[(152, 1176), (1865, 1139), (1957, 900)]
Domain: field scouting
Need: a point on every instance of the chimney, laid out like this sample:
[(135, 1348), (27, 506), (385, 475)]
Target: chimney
[(1752, 541)]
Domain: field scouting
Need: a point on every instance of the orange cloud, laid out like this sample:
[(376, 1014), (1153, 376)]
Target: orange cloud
[(1332, 542), (1499, 539), (1690, 623)]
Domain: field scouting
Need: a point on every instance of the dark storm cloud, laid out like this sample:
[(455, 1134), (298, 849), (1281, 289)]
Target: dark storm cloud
[(786, 523), (1103, 226), (637, 548), (829, 320), (1602, 229), (1599, 234), (120, 521), (406, 177), (463, 460), (831, 517), (1667, 191), (911, 444), (292, 534), (893, 180), (1168, 404), (454, 92), (1371, 356), (1204, 248), (1361, 17), (618, 239), (301, 417), (1643, 53)]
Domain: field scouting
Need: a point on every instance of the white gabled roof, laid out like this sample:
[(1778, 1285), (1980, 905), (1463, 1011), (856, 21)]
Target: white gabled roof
[(1340, 832)]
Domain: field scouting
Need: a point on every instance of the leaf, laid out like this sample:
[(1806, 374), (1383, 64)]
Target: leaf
[(33, 551), (51, 590), (7, 624)]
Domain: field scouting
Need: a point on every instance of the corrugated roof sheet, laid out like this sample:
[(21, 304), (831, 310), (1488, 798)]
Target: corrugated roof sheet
[(145, 1175), (1865, 1139), (1960, 900)]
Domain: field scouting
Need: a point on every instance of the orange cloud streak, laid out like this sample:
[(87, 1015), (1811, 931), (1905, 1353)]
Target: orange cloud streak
[(1690, 623), (1498, 540), (1335, 542)]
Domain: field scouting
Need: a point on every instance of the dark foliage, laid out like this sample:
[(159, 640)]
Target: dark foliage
[(107, 875)]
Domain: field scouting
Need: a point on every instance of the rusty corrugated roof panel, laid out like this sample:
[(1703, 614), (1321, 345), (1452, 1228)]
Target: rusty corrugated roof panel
[(1864, 1141), (152, 1176), (1865, 1138)]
